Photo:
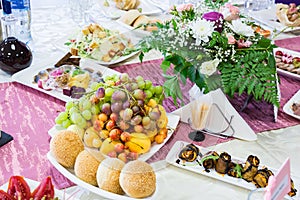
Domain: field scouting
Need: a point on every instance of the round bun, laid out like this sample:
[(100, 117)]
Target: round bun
[(142, 19), (108, 174), (138, 179), (130, 16), (86, 167), (65, 147)]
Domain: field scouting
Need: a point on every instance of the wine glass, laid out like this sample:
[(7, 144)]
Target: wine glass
[(79, 11)]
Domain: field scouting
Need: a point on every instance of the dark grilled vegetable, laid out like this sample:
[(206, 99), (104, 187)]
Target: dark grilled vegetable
[(209, 160), (261, 178), (293, 189), (235, 170), (250, 168), (222, 165), (189, 153)]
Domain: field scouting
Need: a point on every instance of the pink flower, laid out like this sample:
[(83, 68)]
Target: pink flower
[(230, 12), (242, 44), (231, 39), (184, 7), (233, 9)]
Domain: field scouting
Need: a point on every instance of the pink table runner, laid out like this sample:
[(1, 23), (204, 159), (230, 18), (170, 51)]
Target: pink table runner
[(28, 114)]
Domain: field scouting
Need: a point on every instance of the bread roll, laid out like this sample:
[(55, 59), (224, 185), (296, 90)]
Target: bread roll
[(127, 4), (86, 167), (108, 174), (138, 179), (152, 26), (142, 19), (130, 16), (65, 147)]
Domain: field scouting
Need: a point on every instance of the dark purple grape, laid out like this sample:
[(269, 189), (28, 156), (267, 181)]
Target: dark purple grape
[(106, 108), (139, 94), (116, 107), (100, 93), (118, 95), (127, 114), (140, 102), (136, 120), (135, 109), (126, 104)]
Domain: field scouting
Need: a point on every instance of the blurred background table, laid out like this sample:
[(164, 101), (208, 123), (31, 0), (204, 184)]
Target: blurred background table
[(28, 115)]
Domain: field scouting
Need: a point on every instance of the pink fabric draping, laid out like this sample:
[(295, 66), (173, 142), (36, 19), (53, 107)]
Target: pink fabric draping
[(28, 114)]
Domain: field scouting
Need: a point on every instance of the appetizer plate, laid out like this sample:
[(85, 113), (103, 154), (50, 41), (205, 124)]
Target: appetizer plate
[(69, 173), (113, 12), (172, 157), (33, 184), (287, 108), (285, 72), (26, 77), (172, 124), (60, 45), (268, 18)]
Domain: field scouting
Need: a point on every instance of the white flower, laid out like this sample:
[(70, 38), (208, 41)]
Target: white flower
[(241, 28), (202, 30), (209, 67)]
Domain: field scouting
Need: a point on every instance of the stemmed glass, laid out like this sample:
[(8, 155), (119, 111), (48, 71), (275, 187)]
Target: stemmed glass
[(79, 10)]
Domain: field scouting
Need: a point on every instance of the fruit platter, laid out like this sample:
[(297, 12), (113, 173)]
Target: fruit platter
[(248, 173), (120, 121), (106, 46)]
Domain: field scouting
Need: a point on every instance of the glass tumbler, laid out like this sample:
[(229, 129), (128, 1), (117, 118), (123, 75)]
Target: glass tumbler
[(79, 10)]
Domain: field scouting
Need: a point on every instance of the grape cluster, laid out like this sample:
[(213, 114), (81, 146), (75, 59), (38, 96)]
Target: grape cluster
[(121, 114)]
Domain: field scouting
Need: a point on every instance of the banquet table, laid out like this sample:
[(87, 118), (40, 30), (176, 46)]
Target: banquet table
[(28, 114)]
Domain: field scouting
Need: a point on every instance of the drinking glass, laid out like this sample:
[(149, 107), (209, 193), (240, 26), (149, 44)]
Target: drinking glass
[(256, 5), (79, 10)]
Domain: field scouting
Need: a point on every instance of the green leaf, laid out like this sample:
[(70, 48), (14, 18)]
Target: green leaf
[(165, 65)]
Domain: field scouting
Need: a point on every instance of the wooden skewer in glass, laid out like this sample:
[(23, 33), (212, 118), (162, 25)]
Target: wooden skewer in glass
[(198, 121)]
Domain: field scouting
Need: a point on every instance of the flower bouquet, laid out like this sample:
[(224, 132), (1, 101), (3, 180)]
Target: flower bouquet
[(214, 49)]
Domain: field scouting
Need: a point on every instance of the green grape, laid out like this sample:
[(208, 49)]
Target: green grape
[(141, 84), (148, 93), (148, 84), (87, 114), (58, 120), (95, 109), (86, 105), (63, 115), (69, 105), (158, 90), (76, 117), (95, 85), (152, 89), (66, 123), (139, 78), (109, 92), (73, 110)]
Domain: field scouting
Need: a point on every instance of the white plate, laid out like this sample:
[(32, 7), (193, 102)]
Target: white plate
[(33, 184), (172, 124), (60, 45), (292, 53), (26, 76), (68, 173), (172, 157), (113, 12), (287, 108), (268, 17)]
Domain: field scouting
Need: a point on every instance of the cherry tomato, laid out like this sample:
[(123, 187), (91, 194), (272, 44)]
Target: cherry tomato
[(44, 191), (18, 188), (5, 196)]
